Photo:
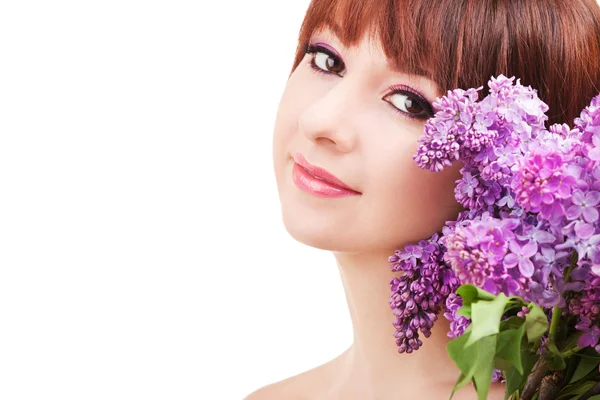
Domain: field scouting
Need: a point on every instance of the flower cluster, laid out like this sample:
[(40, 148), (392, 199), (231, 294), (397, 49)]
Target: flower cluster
[(458, 323), (587, 306), (418, 294), (531, 225), (484, 252)]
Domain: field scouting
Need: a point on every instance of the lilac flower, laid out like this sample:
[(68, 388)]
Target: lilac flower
[(506, 155), (589, 120), (483, 122), (417, 295), (583, 230), (531, 196), (590, 337), (458, 323), (591, 334), (558, 288), (540, 233), (590, 249), (497, 376), (524, 311), (476, 251), (587, 303), (468, 184), (507, 201), (540, 183), (584, 204), (411, 254), (543, 296), (521, 256), (449, 133)]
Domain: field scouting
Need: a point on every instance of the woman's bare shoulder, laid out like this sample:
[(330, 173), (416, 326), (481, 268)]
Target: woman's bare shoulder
[(304, 386), (496, 392), (294, 388), (269, 392), (301, 388)]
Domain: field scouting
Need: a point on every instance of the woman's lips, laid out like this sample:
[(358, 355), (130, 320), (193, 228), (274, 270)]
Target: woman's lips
[(316, 186), (320, 173)]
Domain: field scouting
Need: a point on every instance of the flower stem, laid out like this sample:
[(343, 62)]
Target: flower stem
[(535, 377), (569, 353), (541, 367), (574, 261), (556, 314), (557, 311), (551, 385)]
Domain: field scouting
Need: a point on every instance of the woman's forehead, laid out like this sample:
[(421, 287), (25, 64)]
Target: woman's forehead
[(371, 39), (372, 45)]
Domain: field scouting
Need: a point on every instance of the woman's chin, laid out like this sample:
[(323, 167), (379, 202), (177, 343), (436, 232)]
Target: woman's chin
[(310, 231), (319, 233), (325, 234)]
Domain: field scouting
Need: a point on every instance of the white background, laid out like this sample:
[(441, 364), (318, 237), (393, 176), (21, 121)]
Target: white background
[(142, 253)]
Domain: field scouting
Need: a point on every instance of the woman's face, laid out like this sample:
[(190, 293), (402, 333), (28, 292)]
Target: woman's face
[(360, 120)]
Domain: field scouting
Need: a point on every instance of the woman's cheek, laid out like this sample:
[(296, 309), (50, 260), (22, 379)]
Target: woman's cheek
[(410, 203)]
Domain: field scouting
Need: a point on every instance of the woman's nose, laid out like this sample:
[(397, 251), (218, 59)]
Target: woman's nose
[(331, 117)]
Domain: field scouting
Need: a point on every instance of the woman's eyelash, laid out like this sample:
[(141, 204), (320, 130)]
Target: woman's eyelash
[(313, 50), (405, 90), (397, 89)]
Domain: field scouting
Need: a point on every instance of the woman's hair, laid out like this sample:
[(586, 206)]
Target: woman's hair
[(552, 45)]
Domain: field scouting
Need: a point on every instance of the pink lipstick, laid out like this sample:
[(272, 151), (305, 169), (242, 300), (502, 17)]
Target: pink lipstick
[(318, 181)]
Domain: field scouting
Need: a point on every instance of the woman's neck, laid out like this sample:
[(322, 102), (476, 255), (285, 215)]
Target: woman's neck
[(373, 365)]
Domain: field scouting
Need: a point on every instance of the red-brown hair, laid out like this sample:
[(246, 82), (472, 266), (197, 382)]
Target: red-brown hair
[(552, 45)]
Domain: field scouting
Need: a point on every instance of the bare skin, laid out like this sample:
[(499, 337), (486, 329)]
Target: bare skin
[(351, 123), (319, 384), (371, 368)]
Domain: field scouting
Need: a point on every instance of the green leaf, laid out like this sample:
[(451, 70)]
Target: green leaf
[(555, 360), (465, 311), (574, 391), (470, 293), (511, 323), (596, 397), (509, 347), (571, 341), (485, 317), (515, 380), (584, 367), (536, 322), (459, 379), (464, 357), (482, 378)]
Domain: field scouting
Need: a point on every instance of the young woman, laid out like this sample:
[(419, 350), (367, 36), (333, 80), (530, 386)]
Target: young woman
[(362, 85)]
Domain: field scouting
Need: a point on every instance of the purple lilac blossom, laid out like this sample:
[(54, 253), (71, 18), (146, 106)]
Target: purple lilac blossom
[(478, 251), (524, 311), (458, 323), (531, 199), (586, 305), (418, 294)]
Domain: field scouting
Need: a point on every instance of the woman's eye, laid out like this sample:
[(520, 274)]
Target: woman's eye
[(329, 64), (409, 104), (323, 61)]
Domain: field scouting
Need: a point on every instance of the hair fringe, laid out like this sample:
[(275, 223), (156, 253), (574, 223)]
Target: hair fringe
[(552, 45)]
